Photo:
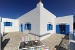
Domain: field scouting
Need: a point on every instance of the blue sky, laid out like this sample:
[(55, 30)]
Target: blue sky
[(16, 8)]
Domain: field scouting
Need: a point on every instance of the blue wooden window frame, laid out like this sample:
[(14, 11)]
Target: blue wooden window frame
[(24, 26), (29, 26), (7, 23), (49, 27)]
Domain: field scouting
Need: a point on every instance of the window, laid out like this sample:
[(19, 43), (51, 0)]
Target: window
[(7, 23), (49, 27), (27, 26)]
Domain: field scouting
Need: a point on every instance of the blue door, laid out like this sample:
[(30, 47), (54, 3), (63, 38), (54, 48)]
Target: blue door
[(67, 29), (57, 29), (21, 28), (63, 28)]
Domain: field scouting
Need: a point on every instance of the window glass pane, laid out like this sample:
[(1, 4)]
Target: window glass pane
[(7, 23), (49, 27)]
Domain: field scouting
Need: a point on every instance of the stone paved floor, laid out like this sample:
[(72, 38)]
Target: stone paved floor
[(53, 40), (13, 39)]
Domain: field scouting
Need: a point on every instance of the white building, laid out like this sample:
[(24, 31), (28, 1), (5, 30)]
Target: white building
[(39, 22)]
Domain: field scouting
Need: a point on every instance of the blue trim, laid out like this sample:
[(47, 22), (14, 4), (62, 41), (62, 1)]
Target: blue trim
[(29, 26), (57, 29), (10, 23), (51, 27), (25, 26), (67, 29), (4, 23), (21, 28), (47, 27), (7, 23)]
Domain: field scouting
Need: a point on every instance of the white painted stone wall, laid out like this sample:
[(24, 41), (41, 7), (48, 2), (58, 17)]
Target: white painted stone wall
[(65, 19), (13, 28), (39, 18), (46, 17), (34, 18)]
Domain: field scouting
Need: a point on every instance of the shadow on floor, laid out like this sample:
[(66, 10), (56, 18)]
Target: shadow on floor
[(5, 34), (58, 47), (66, 37), (4, 43)]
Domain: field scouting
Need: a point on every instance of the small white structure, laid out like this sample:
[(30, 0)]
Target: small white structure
[(39, 22)]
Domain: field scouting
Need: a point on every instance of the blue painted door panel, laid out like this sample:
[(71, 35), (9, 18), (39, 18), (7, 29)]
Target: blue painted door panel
[(57, 29), (21, 28), (67, 29)]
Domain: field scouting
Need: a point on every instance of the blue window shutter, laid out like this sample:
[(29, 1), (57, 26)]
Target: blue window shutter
[(47, 27), (21, 27), (4, 23), (25, 26), (10, 23), (29, 26), (67, 29), (51, 27), (57, 29)]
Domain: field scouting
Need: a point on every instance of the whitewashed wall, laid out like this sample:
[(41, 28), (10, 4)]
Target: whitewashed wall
[(65, 19), (45, 18), (13, 28), (34, 18), (39, 18)]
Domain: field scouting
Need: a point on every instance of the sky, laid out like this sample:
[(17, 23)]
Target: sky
[(16, 8)]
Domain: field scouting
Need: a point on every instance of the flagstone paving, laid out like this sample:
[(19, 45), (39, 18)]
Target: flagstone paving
[(12, 40)]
